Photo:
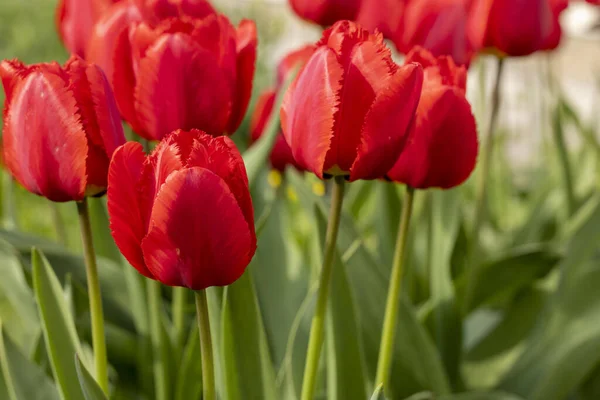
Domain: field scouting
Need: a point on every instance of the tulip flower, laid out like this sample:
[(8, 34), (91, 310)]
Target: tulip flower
[(518, 27), (326, 12), (185, 73), (442, 148), (387, 16), (349, 110), (183, 215), (61, 127), (440, 27), (115, 20), (75, 20), (281, 154)]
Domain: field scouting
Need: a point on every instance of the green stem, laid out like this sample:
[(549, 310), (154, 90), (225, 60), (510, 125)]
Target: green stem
[(316, 331), (563, 156), (59, 225), (386, 349), (159, 349), (95, 296), (208, 369), (178, 312), (481, 194), (9, 220)]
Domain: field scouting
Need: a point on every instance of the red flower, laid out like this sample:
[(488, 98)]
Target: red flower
[(518, 27), (61, 126), (349, 109), (75, 20), (185, 73), (102, 44), (440, 27), (183, 215), (442, 146), (326, 12), (281, 154)]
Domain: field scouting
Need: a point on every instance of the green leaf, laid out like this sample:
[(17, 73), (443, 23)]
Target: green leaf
[(502, 278), (90, 388), (23, 379), (481, 396), (22, 325), (188, 385), (244, 352), (446, 324), (345, 375), (378, 394), (57, 325)]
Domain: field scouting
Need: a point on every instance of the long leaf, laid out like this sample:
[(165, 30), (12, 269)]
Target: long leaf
[(57, 325), (90, 388)]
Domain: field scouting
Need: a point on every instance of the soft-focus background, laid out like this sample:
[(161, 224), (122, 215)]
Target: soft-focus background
[(536, 329)]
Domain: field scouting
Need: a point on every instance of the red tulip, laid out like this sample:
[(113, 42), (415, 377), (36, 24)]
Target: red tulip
[(61, 126), (348, 111), (326, 12), (387, 16), (281, 154), (183, 215), (442, 146), (102, 44), (440, 27), (185, 73), (518, 27), (76, 19)]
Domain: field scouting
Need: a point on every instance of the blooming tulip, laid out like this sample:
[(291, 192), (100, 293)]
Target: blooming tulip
[(76, 19), (61, 127), (281, 154), (518, 27), (440, 27), (183, 215), (102, 44), (185, 73), (442, 146), (326, 12), (349, 110)]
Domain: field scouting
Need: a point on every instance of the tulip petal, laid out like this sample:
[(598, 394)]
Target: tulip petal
[(127, 220), (199, 237), (262, 113), (307, 115), (387, 124), (442, 149), (45, 146), (220, 156), (123, 82), (367, 74), (180, 86), (246, 60)]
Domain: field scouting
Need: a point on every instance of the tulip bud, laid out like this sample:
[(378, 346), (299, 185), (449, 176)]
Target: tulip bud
[(349, 110), (183, 215), (61, 126)]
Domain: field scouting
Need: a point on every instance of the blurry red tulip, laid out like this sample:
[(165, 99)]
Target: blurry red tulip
[(326, 12), (183, 215), (102, 44), (517, 27), (594, 2), (281, 154), (439, 26), (185, 73), (442, 146), (61, 126), (349, 110), (76, 19), (387, 16)]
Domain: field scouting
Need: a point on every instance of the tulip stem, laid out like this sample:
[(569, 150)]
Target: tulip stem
[(386, 349), (95, 297), (316, 330), (481, 194), (9, 220), (159, 348), (208, 369), (178, 312)]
